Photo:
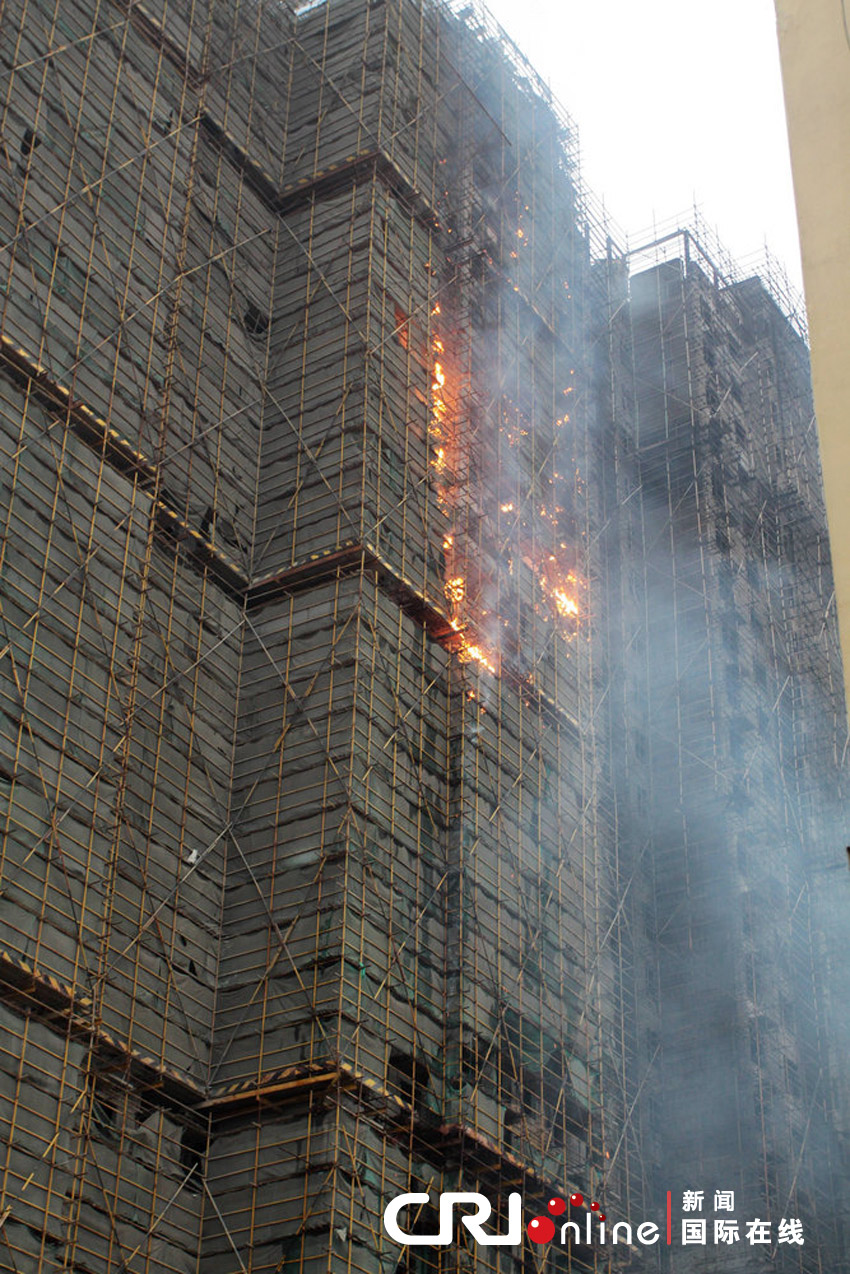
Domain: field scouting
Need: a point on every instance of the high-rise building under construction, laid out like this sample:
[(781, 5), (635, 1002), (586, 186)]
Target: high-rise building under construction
[(421, 713)]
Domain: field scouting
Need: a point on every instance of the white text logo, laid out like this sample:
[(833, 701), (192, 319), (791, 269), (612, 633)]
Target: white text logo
[(448, 1203)]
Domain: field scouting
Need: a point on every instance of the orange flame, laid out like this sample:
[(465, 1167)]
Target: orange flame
[(469, 653), (445, 464), (565, 605), (455, 590)]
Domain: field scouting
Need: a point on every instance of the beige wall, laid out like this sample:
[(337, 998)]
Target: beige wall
[(815, 50)]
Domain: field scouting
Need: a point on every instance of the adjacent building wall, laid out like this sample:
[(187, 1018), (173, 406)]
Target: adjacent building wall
[(814, 43)]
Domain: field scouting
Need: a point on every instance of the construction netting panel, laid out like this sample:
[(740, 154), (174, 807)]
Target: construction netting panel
[(136, 291), (366, 83), (333, 936), (138, 265), (87, 246), (114, 761), (90, 1166), (113, 768)]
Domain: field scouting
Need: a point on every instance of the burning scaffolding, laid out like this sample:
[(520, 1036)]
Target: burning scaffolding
[(333, 459)]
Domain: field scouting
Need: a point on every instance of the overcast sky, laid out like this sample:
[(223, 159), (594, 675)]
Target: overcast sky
[(675, 101)]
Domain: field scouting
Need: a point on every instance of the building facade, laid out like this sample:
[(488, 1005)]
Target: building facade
[(736, 787), (414, 610)]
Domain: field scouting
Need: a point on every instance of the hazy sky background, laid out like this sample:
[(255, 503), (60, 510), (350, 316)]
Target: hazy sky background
[(676, 101)]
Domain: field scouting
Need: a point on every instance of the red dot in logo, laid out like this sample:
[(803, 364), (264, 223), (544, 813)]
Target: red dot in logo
[(594, 1207), (557, 1206), (541, 1229), (601, 1216), (576, 1200)]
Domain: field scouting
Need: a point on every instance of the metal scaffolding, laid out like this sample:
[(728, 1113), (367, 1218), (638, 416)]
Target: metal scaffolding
[(305, 820), (331, 441), (735, 699)]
